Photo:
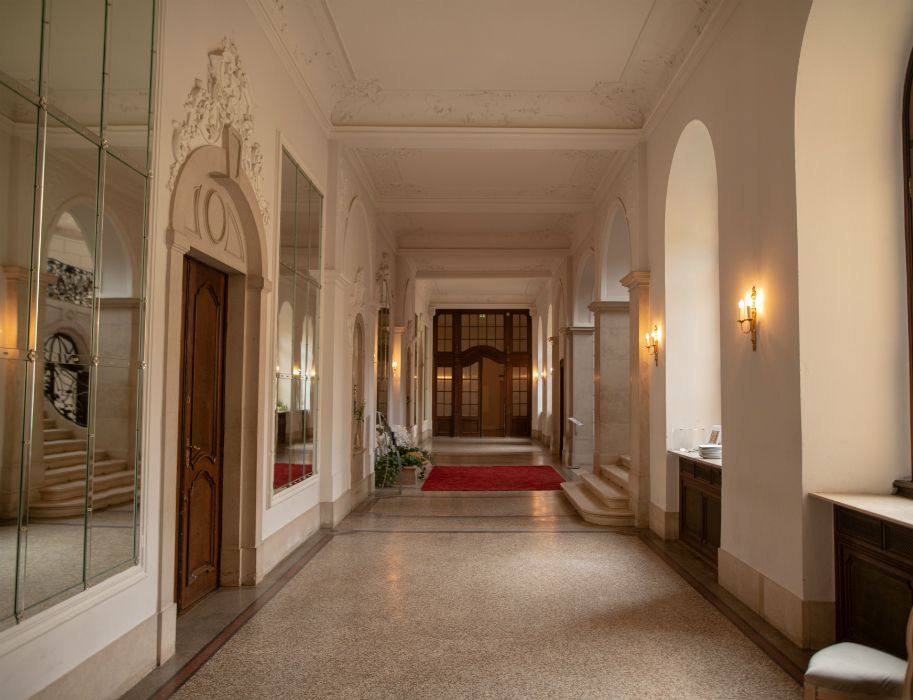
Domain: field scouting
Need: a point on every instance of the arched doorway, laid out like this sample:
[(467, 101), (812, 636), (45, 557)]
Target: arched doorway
[(215, 258)]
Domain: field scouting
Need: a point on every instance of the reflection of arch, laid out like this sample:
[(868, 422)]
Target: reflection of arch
[(692, 338), (214, 217), (119, 259), (586, 282), (615, 256)]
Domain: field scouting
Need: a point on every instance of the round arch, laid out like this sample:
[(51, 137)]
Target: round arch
[(692, 304), (615, 255), (585, 291)]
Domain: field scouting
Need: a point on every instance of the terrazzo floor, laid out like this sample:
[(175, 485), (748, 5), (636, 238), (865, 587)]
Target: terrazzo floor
[(507, 596)]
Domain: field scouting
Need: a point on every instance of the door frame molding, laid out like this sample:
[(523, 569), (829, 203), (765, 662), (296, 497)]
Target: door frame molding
[(214, 218)]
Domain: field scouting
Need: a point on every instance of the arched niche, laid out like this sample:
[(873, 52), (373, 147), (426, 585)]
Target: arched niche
[(215, 218), (692, 306), (616, 256), (584, 296)]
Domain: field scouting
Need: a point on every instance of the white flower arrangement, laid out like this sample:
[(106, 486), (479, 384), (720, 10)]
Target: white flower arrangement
[(403, 436)]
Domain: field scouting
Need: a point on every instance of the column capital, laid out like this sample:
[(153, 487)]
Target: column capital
[(602, 307), (637, 278)]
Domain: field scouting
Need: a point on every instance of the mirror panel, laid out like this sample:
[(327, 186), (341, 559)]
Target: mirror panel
[(20, 41), (77, 473), (73, 65), (127, 89), (296, 308)]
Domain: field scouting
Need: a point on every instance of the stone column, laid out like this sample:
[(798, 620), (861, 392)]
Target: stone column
[(641, 368), (579, 440), (611, 378)]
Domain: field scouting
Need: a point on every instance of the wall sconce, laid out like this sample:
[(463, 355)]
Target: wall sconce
[(296, 372), (395, 366), (652, 343), (535, 375), (749, 309)]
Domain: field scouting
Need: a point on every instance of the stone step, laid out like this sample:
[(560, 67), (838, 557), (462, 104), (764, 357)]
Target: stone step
[(66, 459), (625, 461), (77, 472), (615, 473), (67, 445), (592, 510), (74, 507), (608, 494), (70, 490), (55, 434), (49, 423)]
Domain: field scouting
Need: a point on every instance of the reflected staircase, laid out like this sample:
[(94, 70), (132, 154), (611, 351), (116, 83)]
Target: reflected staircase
[(63, 493), (601, 497)]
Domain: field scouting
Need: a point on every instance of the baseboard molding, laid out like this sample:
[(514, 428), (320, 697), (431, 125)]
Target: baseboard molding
[(664, 522), (112, 671), (332, 512), (286, 539), (807, 623), (361, 490)]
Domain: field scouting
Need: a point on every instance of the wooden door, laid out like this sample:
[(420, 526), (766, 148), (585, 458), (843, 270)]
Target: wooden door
[(493, 395), (200, 478)]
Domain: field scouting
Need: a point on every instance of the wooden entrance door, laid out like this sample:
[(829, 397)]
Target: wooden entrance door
[(200, 477), (493, 396)]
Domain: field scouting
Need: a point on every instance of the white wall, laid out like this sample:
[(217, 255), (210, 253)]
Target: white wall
[(852, 279), (742, 89)]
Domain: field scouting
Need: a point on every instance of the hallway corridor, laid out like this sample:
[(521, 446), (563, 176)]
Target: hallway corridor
[(486, 595)]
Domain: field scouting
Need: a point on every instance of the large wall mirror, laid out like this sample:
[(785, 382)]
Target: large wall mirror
[(294, 458), (75, 106)]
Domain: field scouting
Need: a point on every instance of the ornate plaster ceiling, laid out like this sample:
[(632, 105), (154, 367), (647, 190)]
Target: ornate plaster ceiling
[(517, 63), (485, 130)]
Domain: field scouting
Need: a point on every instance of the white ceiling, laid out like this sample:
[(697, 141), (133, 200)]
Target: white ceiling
[(483, 127), (487, 45)]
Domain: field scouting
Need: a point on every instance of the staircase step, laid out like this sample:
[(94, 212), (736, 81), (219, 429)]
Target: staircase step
[(608, 494), (591, 510), (54, 434), (69, 490), (615, 473), (67, 445), (66, 459), (49, 423), (625, 461), (77, 472), (74, 507)]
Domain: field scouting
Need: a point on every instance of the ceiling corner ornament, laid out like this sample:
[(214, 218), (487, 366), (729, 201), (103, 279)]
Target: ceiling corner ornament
[(222, 100)]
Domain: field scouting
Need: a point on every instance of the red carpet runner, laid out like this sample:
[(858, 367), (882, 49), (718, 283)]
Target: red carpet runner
[(534, 478), (284, 473)]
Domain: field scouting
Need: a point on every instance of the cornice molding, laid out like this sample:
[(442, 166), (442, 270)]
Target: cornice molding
[(601, 307), (638, 278)]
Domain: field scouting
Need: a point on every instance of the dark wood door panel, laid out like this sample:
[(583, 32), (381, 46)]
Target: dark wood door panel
[(200, 482)]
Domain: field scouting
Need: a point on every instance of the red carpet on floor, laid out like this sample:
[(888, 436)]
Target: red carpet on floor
[(284, 473), (540, 477)]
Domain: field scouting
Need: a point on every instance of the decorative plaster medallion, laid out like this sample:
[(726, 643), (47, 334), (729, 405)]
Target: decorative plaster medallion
[(222, 100)]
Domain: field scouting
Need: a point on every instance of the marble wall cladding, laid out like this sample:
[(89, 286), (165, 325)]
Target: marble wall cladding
[(613, 412)]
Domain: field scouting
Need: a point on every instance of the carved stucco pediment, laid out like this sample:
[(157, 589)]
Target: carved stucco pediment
[(221, 99)]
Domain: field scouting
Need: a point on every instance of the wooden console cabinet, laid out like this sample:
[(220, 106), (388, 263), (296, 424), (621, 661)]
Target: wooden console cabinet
[(874, 580), (700, 488)]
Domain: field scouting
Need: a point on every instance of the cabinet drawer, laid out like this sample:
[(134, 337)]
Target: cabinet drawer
[(857, 526)]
